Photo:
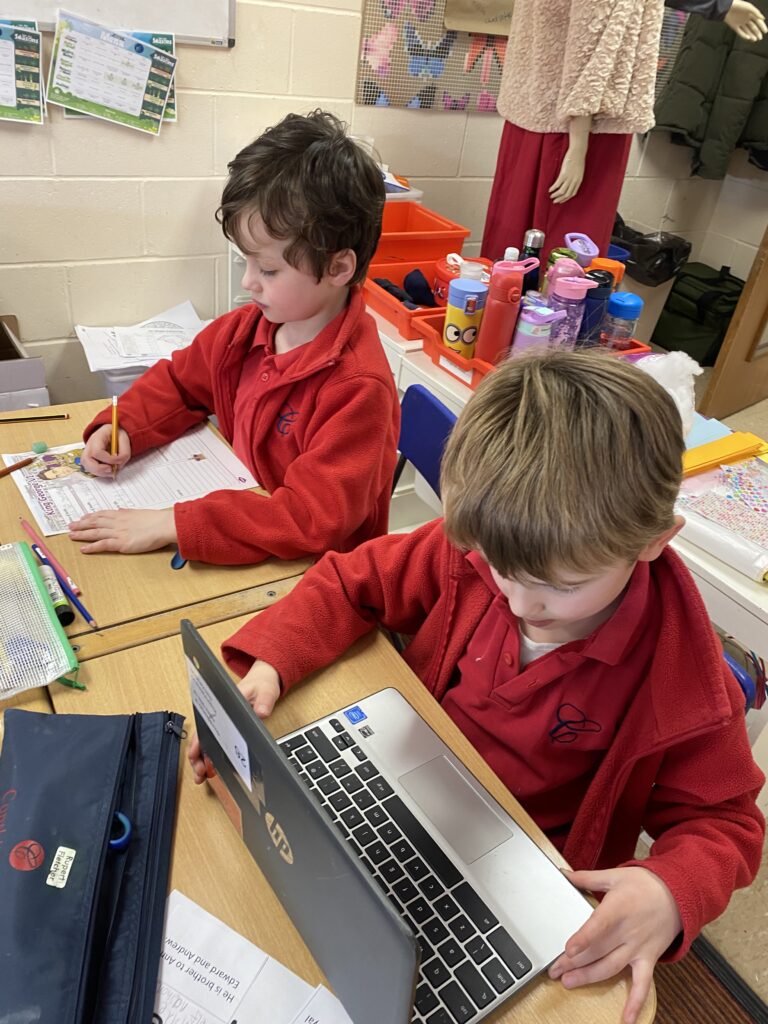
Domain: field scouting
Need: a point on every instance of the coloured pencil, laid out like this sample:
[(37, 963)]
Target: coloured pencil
[(35, 418), (57, 567), (17, 465), (67, 590), (113, 446)]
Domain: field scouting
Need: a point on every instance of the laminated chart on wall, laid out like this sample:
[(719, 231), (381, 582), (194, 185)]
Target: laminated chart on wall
[(21, 82), (411, 54), (164, 41), (109, 74), (34, 649), (409, 59)]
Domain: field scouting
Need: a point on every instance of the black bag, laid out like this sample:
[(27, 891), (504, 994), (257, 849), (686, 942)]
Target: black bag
[(83, 887), (697, 312), (653, 258)]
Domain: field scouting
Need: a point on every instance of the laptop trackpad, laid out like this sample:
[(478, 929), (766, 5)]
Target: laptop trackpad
[(455, 809)]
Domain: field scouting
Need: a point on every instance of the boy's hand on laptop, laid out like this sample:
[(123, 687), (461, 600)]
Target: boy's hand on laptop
[(96, 458), (261, 688), (128, 530), (634, 924)]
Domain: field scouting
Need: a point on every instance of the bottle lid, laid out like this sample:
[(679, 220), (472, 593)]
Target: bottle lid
[(585, 248), (604, 279), (541, 314), (626, 305), (462, 288), (534, 238), (564, 267), (511, 254), (572, 287), (506, 282), (561, 253), (612, 266), (471, 271)]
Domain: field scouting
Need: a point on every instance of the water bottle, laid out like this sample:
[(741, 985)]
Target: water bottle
[(463, 315), (556, 256), (534, 327), (563, 266), (500, 314), (595, 307), (620, 324), (533, 243), (568, 294)]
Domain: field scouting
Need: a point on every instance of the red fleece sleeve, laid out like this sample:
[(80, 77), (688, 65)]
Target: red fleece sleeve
[(167, 399), (327, 493), (392, 581), (707, 827)]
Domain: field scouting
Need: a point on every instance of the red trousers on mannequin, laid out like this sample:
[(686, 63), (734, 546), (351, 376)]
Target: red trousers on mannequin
[(528, 164)]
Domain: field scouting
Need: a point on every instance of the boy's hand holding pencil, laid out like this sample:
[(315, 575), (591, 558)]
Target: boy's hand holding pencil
[(97, 458)]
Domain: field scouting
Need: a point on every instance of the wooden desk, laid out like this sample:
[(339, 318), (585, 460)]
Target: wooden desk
[(135, 598), (211, 864)]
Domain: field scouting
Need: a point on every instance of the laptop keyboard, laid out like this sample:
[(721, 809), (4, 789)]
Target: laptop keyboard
[(467, 958)]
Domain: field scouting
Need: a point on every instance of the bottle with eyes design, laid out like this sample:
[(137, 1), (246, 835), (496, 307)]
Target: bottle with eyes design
[(463, 315)]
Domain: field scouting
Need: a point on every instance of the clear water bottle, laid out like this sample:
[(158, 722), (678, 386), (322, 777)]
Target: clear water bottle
[(620, 324), (568, 294)]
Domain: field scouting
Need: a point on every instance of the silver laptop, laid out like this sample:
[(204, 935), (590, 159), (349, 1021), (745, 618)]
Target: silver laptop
[(418, 895)]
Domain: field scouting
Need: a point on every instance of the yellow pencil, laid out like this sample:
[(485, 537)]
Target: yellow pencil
[(113, 447)]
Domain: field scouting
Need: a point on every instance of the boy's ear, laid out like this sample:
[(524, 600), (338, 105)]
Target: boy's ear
[(342, 267), (654, 549)]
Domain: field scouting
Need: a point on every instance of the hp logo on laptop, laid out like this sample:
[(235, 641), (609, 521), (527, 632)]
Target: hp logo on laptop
[(279, 838)]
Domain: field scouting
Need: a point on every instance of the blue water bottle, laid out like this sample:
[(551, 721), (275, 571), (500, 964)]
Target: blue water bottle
[(595, 306)]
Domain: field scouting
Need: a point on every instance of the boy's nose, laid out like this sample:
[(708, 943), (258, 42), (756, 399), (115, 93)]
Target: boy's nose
[(525, 605)]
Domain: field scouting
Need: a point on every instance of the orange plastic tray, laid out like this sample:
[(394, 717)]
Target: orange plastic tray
[(410, 231), (472, 371), (468, 371), (376, 297)]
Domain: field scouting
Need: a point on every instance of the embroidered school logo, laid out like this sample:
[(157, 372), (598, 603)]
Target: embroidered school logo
[(571, 722), (26, 855), (286, 419), (278, 837)]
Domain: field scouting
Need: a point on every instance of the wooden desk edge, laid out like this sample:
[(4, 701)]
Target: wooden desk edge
[(99, 643)]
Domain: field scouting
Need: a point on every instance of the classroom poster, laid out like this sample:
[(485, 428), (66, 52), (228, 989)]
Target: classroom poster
[(109, 74), (165, 41), (21, 84)]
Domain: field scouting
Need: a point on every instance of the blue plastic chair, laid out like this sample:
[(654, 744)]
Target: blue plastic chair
[(425, 424), (744, 679)]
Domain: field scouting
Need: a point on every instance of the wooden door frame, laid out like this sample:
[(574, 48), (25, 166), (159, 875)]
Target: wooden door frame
[(740, 377)]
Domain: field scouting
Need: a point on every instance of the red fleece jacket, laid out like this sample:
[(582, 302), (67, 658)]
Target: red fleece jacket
[(329, 478), (679, 765)]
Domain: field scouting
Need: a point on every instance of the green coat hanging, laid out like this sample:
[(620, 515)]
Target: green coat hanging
[(716, 99)]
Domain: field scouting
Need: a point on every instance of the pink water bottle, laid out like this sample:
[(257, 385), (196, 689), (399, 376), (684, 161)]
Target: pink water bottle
[(568, 294), (564, 267), (501, 309)]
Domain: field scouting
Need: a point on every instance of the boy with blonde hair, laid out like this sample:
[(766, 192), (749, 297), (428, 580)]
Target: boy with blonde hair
[(568, 642), (297, 379)]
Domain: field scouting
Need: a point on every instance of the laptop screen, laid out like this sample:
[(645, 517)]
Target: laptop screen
[(360, 943)]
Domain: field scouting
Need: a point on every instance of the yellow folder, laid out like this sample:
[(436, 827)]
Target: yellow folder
[(737, 446)]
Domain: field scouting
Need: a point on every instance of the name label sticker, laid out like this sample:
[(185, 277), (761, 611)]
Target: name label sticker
[(63, 860), (220, 724)]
